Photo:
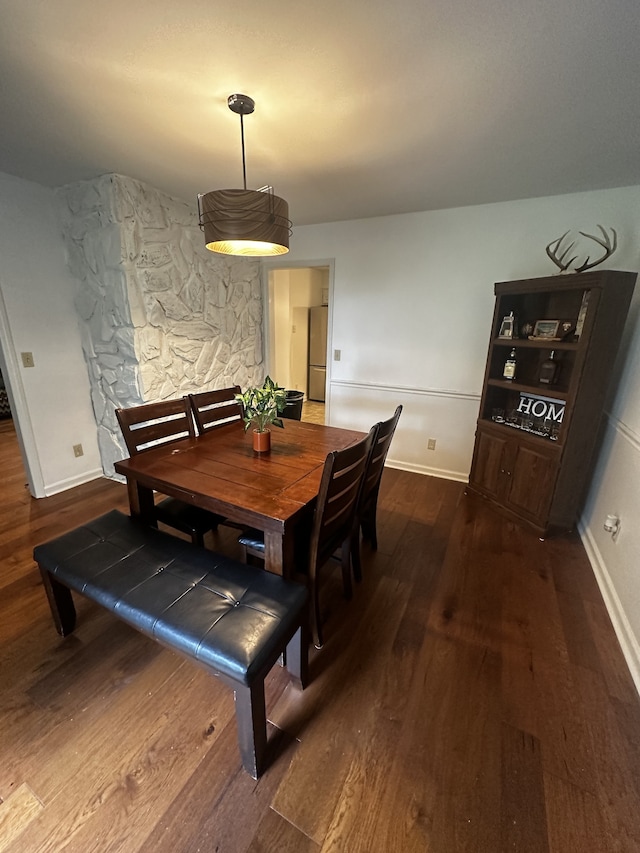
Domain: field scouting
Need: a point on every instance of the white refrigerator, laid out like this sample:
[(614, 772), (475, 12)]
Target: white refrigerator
[(318, 318)]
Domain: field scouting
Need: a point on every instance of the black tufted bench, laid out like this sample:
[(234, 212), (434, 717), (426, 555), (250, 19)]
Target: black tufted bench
[(234, 619)]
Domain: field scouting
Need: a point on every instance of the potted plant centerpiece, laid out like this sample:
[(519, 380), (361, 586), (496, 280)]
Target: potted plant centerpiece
[(262, 407)]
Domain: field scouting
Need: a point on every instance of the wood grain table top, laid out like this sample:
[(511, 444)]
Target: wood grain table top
[(219, 471)]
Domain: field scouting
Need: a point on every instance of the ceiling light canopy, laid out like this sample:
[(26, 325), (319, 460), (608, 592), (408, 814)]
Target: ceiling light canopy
[(244, 222)]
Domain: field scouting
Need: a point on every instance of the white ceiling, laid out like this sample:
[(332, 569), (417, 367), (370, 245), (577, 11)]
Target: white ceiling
[(363, 107)]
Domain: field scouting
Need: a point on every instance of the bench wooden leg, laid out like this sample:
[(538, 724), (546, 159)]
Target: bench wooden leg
[(60, 602), (251, 718)]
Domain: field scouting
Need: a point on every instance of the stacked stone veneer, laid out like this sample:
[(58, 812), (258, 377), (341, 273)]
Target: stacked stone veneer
[(161, 316)]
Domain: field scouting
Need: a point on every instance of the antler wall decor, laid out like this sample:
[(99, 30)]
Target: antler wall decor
[(558, 252)]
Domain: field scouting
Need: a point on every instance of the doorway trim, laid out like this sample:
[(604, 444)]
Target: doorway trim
[(267, 314), (19, 407)]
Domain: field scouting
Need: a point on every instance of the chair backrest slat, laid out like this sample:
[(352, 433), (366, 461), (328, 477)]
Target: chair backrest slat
[(212, 409), (379, 449), (153, 424), (337, 501)]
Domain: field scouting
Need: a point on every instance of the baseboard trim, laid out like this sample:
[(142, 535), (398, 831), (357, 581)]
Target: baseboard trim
[(431, 472), (624, 632), (70, 482)]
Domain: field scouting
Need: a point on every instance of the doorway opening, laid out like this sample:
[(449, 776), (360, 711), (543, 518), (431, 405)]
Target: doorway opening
[(20, 419), (297, 333)]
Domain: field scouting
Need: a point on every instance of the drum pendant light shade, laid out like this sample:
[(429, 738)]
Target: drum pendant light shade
[(244, 222)]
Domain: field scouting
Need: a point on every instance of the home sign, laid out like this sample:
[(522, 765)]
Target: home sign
[(541, 408)]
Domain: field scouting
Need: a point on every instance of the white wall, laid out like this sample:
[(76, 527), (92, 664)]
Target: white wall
[(616, 490), (52, 398), (411, 309), (412, 303)]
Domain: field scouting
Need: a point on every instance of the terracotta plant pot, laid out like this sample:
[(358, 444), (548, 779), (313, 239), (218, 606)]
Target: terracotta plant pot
[(262, 441)]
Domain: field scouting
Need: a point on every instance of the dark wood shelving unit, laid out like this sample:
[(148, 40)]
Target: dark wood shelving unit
[(535, 443)]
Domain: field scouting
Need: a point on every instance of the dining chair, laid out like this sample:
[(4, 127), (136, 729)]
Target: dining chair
[(333, 523), (212, 409), (153, 425), (367, 509)]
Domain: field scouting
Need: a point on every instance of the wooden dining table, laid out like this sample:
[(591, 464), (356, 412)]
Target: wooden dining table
[(219, 471)]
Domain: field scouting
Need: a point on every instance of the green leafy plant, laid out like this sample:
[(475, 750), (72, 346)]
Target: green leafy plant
[(261, 406)]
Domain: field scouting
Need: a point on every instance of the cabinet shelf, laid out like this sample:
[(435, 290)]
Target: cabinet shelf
[(535, 443), (542, 343), (526, 434), (539, 390)]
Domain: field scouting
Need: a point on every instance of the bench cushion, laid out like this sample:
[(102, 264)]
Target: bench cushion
[(230, 617)]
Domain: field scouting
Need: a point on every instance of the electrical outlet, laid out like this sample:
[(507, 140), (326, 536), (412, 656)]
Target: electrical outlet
[(431, 444), (77, 450), (337, 354), (27, 359)]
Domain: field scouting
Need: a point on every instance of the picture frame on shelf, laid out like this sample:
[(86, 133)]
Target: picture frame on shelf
[(545, 330)]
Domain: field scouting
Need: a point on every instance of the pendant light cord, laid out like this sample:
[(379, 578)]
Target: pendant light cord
[(244, 168)]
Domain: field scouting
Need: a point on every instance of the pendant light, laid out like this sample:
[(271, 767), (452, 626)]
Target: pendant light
[(244, 222)]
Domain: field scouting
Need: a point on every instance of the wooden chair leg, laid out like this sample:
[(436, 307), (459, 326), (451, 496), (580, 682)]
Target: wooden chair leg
[(368, 523), (251, 719), (315, 617), (355, 555), (60, 602), (345, 558)]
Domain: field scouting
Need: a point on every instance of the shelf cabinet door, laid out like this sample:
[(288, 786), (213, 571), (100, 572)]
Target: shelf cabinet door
[(515, 473), (532, 474), (488, 471)]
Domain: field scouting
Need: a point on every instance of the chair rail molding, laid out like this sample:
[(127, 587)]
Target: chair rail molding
[(625, 431), (408, 389)]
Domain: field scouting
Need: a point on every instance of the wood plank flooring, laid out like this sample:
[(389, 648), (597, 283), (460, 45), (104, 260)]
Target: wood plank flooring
[(471, 698)]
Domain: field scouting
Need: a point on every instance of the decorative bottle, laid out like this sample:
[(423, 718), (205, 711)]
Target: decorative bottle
[(549, 369), (509, 370)]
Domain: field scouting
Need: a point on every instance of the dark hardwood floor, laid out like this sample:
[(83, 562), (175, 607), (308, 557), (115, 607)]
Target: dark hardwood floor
[(471, 697)]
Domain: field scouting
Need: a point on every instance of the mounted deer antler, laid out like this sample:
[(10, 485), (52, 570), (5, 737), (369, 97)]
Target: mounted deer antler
[(608, 243), (552, 251)]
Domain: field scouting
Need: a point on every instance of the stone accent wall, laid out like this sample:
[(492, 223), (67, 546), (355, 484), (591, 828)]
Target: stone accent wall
[(161, 316)]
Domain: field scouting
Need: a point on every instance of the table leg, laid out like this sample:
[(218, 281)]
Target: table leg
[(141, 504), (273, 552), (279, 552)]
